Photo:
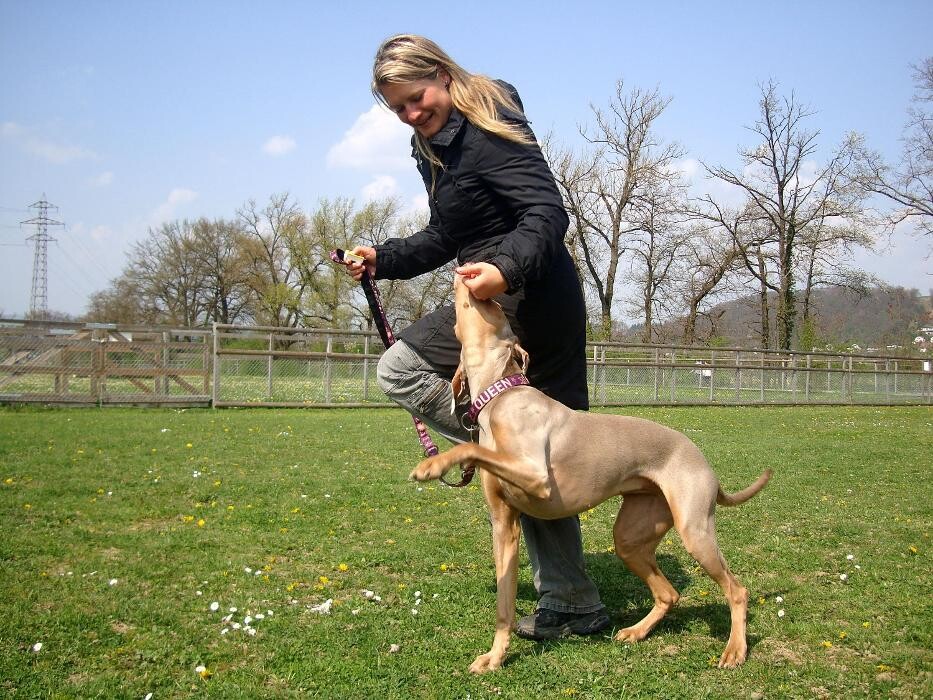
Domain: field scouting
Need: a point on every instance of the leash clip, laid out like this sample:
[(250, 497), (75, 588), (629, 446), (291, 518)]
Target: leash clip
[(466, 476)]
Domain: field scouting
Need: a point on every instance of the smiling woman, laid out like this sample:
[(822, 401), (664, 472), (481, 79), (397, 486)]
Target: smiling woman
[(416, 79), (495, 208)]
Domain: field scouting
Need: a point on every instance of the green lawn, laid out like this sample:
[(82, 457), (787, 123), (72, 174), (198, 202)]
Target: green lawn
[(121, 528)]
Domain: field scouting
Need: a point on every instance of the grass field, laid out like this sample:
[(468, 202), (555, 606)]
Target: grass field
[(130, 535)]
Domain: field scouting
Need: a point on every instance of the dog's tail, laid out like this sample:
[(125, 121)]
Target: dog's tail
[(734, 499)]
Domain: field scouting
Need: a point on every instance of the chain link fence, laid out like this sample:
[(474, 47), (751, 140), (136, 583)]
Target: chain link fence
[(271, 366), (626, 374)]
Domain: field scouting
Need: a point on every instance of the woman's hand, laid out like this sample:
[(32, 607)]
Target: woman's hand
[(355, 269), (482, 279)]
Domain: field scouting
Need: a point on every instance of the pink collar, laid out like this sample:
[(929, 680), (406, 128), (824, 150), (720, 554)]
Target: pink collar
[(492, 391)]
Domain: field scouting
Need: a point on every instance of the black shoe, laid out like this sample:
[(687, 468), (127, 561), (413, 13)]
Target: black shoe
[(551, 624)]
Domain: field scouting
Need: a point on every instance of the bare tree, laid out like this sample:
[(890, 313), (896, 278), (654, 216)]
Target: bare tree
[(121, 302), (218, 249), (625, 165), (655, 247), (825, 248), (909, 185), (270, 234), (790, 194), (709, 256), (168, 275)]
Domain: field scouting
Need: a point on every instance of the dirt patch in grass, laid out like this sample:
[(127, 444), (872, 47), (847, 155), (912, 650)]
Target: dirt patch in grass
[(776, 651)]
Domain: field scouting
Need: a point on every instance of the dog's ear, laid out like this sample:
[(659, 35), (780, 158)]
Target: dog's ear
[(459, 385), (520, 355)]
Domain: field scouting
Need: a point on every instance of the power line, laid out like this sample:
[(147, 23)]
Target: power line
[(39, 296)]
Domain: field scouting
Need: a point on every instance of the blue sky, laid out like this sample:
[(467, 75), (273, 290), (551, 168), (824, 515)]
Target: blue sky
[(129, 114)]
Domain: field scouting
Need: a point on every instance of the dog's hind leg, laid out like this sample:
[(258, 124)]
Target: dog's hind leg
[(642, 522), (698, 533)]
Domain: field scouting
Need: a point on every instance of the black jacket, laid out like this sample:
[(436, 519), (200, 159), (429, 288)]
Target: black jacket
[(496, 201)]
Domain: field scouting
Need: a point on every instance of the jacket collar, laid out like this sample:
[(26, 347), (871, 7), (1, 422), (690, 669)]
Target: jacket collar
[(448, 132)]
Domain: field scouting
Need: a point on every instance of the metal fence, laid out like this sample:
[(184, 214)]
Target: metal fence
[(271, 366), (626, 374), (102, 364), (301, 367)]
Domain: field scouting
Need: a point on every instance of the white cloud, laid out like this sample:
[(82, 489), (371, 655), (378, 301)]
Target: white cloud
[(279, 145), (690, 168), (99, 233), (102, 180), (177, 198), (419, 203), (377, 142), (27, 139), (382, 186)]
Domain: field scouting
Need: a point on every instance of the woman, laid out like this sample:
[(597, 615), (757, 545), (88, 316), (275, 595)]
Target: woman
[(495, 207)]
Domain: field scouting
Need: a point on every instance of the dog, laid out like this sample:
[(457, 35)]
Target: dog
[(538, 457)]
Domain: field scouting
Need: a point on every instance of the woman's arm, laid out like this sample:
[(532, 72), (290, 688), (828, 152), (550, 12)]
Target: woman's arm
[(404, 258), (519, 177)]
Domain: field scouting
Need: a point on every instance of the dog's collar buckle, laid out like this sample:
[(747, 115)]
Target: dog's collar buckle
[(493, 390)]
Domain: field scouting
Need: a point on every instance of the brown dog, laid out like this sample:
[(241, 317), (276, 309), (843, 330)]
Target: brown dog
[(541, 458)]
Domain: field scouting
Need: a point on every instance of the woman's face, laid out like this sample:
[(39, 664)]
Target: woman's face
[(424, 105)]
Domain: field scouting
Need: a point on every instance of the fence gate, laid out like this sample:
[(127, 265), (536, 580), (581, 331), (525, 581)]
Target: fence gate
[(103, 364)]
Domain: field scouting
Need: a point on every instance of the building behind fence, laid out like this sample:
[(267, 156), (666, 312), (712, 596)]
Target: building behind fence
[(229, 365)]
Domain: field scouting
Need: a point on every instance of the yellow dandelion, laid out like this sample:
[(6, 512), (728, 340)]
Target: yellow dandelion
[(187, 518), (189, 445), (296, 510), (201, 522), (27, 506), (324, 580), (826, 643), (443, 567), (8, 481), (843, 635), (913, 550), (217, 483), (884, 667), (230, 507), (343, 567), (866, 625)]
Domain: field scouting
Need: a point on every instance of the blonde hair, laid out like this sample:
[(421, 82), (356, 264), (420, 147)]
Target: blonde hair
[(405, 58)]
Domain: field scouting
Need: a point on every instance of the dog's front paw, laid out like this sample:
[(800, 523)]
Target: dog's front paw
[(431, 468), (486, 663)]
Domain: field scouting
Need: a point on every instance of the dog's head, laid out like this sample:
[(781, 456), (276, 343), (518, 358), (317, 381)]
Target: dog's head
[(489, 350)]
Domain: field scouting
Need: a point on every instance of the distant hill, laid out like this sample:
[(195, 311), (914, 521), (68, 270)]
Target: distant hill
[(886, 316)]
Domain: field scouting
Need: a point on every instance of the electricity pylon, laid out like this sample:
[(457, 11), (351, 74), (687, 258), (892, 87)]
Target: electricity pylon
[(39, 298)]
